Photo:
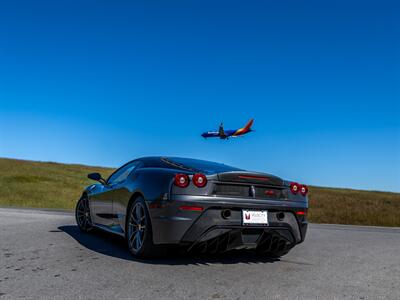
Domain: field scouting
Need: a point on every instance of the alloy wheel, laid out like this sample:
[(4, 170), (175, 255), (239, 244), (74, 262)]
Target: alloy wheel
[(137, 227), (83, 214)]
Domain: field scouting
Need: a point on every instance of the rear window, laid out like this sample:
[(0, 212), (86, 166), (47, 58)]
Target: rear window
[(197, 165)]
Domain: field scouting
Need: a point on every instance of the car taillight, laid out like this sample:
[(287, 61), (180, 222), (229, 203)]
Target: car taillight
[(303, 189), (199, 180), (294, 187), (191, 208), (181, 180), (301, 212)]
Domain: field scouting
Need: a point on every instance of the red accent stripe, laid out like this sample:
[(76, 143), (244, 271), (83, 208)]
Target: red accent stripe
[(253, 177), (191, 208), (248, 125), (301, 213)]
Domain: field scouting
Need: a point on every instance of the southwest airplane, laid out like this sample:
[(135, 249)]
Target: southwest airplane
[(226, 134)]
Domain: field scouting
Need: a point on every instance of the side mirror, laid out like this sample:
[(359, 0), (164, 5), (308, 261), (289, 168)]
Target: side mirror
[(96, 177)]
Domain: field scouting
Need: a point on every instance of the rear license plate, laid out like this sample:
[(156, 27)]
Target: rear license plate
[(255, 217)]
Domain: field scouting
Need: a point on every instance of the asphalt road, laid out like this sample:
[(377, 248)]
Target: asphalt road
[(43, 255)]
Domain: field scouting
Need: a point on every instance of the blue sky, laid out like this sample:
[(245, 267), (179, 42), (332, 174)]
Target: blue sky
[(103, 82)]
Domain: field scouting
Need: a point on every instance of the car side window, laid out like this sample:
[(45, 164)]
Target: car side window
[(121, 174)]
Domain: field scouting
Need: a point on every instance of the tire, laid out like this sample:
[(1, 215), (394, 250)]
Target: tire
[(82, 215), (139, 233)]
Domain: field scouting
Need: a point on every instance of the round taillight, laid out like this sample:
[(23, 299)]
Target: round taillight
[(181, 180), (294, 187), (199, 180), (303, 189)]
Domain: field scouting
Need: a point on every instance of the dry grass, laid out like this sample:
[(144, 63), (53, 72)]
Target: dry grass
[(53, 185), (43, 184), (345, 206)]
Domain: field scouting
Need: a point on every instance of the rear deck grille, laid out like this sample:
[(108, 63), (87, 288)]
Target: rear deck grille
[(249, 191), (269, 193), (232, 190)]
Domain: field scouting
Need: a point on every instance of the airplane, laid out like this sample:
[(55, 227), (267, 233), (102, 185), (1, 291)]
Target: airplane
[(226, 134)]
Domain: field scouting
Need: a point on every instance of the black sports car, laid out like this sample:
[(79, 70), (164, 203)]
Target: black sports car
[(200, 205)]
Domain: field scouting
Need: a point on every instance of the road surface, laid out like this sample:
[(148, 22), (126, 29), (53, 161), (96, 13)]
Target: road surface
[(44, 256)]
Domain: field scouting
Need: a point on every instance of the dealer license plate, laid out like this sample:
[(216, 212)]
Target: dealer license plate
[(255, 217)]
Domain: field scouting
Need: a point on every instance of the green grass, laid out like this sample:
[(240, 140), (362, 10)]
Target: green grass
[(54, 185), (43, 184)]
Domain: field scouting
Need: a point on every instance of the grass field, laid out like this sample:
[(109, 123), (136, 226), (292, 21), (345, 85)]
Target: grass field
[(54, 185), (43, 184)]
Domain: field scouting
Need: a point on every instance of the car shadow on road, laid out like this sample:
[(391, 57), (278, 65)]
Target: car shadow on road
[(115, 246)]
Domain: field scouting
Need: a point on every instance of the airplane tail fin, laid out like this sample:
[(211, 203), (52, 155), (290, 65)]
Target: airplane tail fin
[(248, 125)]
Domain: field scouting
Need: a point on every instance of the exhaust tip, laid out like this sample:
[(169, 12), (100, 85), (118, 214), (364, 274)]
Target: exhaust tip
[(226, 213), (280, 216)]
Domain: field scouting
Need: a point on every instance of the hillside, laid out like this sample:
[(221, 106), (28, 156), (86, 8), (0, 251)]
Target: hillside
[(43, 184), (55, 185)]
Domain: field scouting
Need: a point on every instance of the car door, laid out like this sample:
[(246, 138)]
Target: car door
[(101, 202), (121, 195)]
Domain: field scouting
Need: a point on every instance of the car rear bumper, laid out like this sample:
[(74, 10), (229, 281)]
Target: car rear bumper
[(227, 238), (172, 225)]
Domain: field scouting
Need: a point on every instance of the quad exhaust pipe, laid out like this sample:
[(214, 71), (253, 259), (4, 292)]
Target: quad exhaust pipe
[(280, 216), (226, 213)]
